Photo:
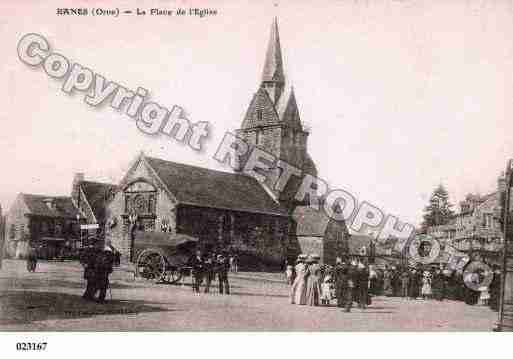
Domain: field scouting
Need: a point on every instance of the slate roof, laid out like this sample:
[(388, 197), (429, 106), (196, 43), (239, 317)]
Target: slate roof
[(97, 195), (287, 109), (284, 111), (273, 65), (260, 102), (209, 188), (64, 207)]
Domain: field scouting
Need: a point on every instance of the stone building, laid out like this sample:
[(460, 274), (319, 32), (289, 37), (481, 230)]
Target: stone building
[(231, 210), (272, 123), (52, 222), (49, 221), (476, 226), (317, 233), (226, 211)]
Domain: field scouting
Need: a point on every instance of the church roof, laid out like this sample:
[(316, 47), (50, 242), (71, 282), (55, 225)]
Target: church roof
[(261, 111), (282, 110), (287, 109), (273, 65), (63, 206), (209, 188)]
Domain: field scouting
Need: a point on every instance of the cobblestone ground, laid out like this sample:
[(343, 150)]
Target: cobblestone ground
[(50, 300)]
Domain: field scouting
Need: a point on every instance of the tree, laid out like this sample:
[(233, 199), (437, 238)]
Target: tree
[(439, 211)]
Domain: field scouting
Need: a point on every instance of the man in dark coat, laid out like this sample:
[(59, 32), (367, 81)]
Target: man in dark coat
[(196, 263), (438, 285), (495, 289), (103, 267), (340, 272), (414, 284), (405, 282), (223, 267), (344, 283), (31, 258), (362, 277), (208, 272), (87, 259)]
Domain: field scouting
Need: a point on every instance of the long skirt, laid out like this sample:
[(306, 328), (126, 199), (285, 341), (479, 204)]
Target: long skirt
[(298, 291), (313, 290)]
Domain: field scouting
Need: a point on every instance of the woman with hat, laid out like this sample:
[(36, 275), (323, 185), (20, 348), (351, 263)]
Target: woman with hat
[(313, 283), (298, 289)]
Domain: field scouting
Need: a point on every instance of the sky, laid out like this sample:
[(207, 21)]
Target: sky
[(399, 95)]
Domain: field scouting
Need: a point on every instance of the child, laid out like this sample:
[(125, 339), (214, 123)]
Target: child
[(326, 289), (426, 286)]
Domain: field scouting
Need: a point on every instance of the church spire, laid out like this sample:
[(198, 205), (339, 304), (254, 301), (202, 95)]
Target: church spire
[(273, 78)]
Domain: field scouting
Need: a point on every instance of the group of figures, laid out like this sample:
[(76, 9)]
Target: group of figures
[(410, 283), (209, 267), (98, 262), (314, 284), (436, 283), (355, 281)]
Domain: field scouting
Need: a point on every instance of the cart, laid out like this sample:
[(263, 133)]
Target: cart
[(161, 256)]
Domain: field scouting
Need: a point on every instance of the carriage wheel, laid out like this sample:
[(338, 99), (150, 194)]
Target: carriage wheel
[(151, 265), (172, 275)]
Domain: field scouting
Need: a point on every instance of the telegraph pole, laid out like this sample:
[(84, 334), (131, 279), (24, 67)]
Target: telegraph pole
[(506, 294)]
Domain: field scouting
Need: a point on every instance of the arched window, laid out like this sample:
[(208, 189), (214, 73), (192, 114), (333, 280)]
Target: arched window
[(141, 202), (140, 198)]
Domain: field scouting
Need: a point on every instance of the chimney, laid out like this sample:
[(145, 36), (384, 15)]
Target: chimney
[(75, 187)]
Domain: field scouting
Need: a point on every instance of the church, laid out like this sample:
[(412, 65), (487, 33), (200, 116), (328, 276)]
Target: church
[(225, 211)]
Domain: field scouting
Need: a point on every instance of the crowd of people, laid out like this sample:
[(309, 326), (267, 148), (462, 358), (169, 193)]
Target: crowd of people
[(211, 266), (314, 284), (437, 283), (354, 280)]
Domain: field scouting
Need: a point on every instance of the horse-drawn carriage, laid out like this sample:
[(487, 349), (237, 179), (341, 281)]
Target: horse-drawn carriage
[(161, 256)]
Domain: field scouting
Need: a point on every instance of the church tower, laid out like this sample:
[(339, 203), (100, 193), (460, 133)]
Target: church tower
[(272, 121)]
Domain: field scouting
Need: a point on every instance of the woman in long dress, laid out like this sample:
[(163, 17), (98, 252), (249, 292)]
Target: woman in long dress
[(313, 282), (298, 289)]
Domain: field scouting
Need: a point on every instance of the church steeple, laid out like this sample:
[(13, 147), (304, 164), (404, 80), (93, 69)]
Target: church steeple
[(273, 77), (272, 122)]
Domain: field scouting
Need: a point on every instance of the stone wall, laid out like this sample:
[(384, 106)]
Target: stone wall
[(164, 217), (262, 236)]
